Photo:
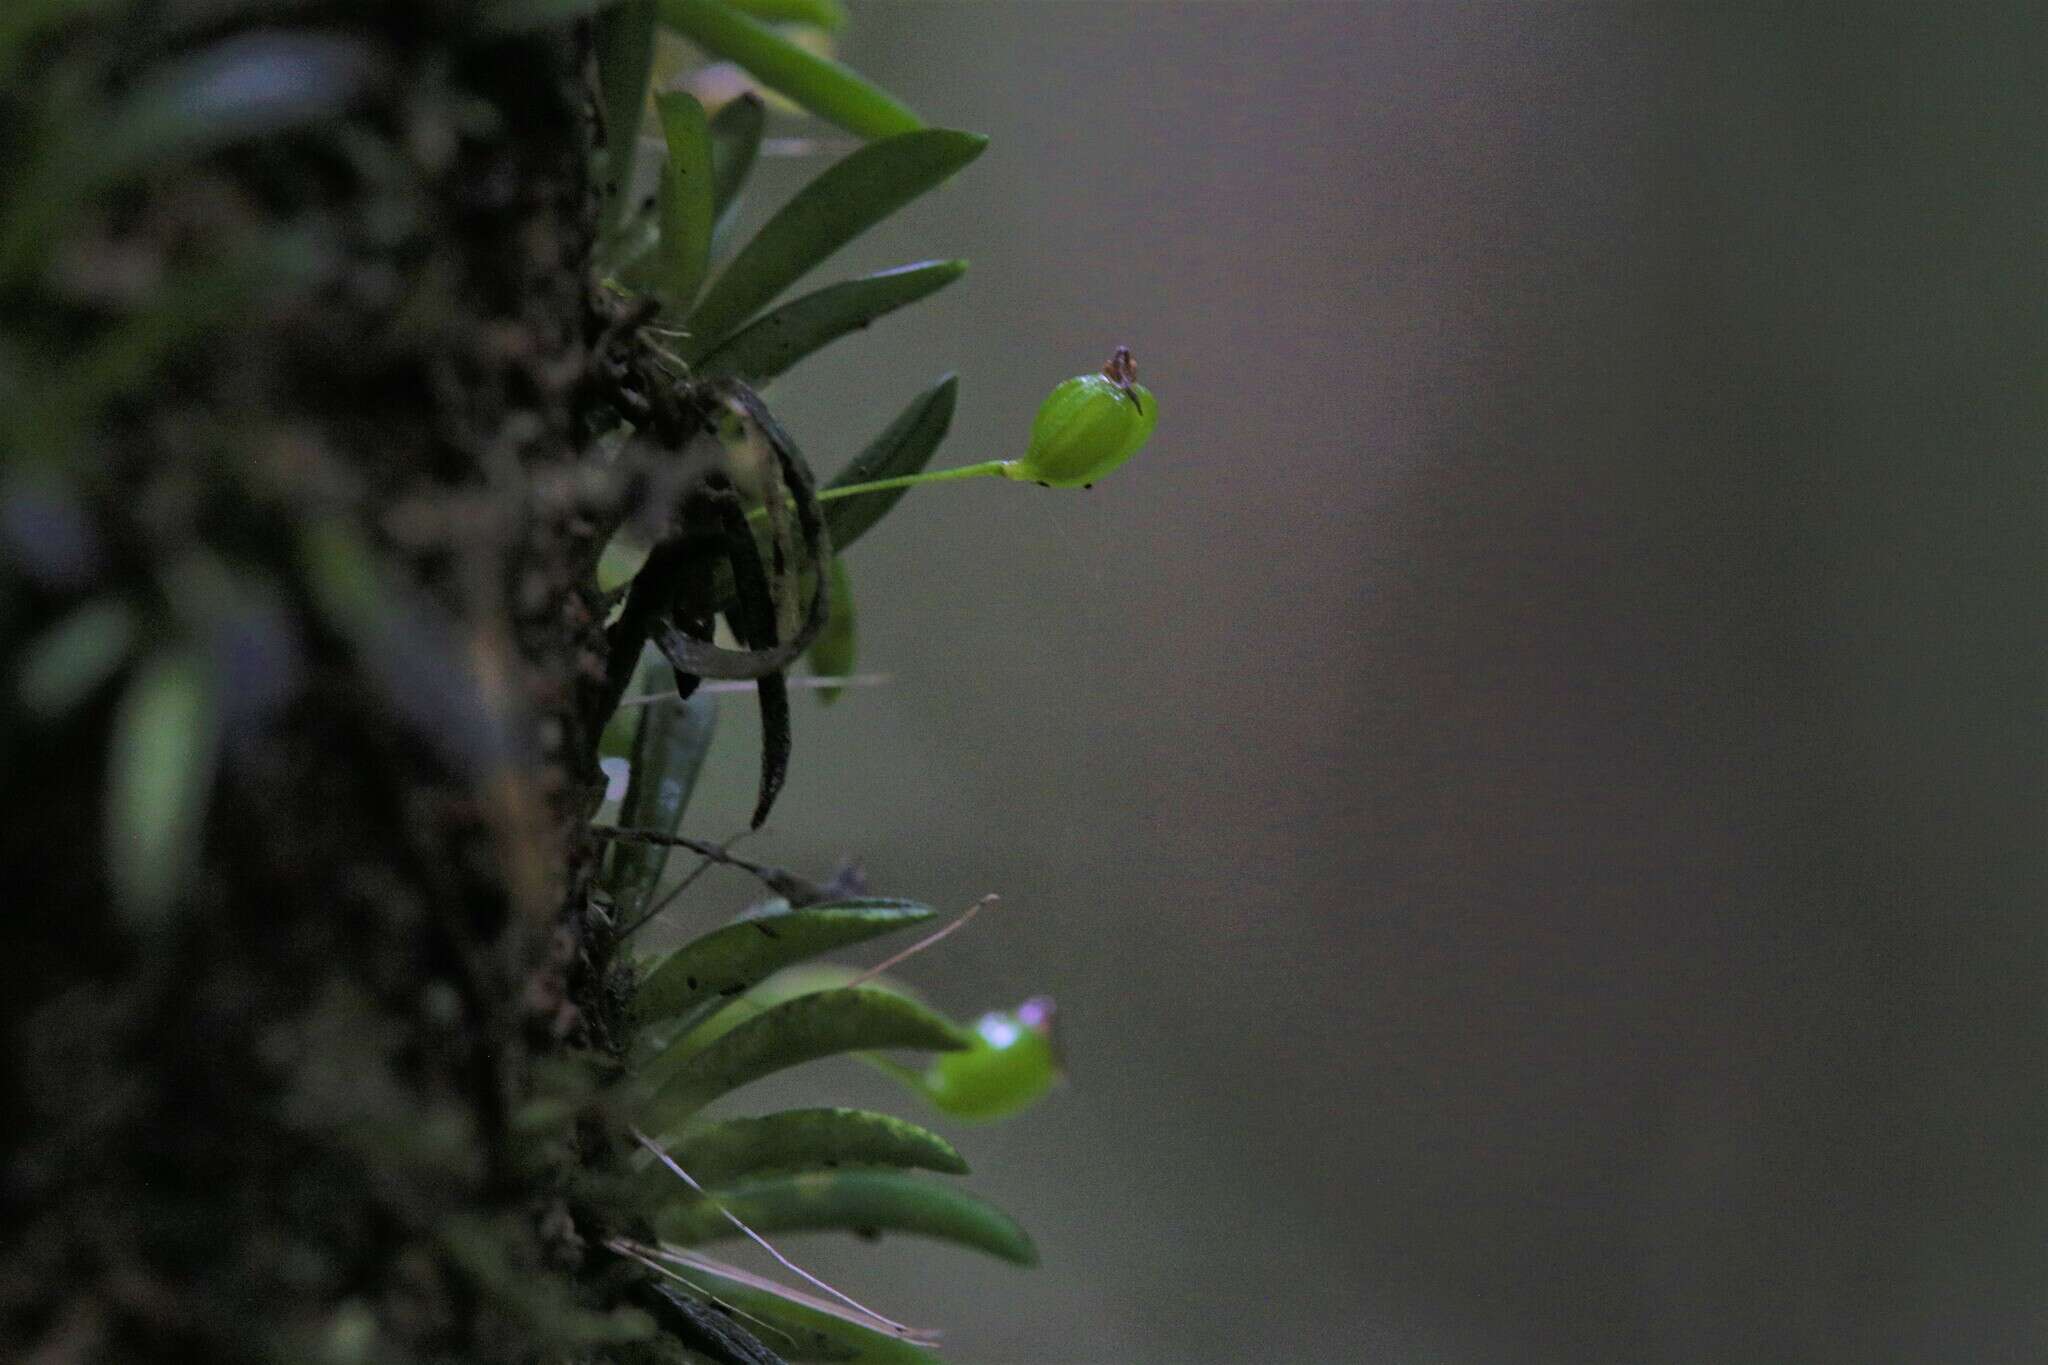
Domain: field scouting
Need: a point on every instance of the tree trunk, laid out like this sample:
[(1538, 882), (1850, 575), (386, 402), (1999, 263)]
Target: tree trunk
[(273, 1111)]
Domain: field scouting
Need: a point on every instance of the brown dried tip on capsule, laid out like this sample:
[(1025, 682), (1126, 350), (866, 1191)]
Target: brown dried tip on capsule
[(1122, 371)]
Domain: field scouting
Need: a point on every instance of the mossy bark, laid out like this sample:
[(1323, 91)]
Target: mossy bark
[(279, 1120)]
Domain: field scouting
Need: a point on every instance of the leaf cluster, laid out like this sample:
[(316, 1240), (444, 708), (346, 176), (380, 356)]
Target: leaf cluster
[(753, 546)]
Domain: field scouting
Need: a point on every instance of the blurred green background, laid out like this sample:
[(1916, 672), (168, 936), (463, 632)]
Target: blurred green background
[(1530, 792)]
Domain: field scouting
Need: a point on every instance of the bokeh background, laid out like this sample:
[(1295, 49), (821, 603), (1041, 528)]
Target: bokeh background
[(1530, 793)]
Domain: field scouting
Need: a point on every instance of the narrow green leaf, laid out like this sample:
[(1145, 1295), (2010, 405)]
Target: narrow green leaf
[(668, 754), (829, 15), (794, 1140), (905, 446), (727, 961), (805, 1327), (160, 773), (735, 142), (685, 199), (775, 341), (75, 656), (625, 58), (844, 201), (865, 1202), (819, 84), (836, 652), (800, 1030)]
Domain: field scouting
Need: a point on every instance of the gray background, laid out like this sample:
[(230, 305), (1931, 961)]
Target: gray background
[(1529, 793)]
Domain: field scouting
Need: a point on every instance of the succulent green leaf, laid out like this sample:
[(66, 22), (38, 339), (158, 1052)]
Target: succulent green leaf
[(668, 754), (794, 1140), (865, 1202), (829, 15), (805, 1327), (836, 651), (852, 1019), (685, 200), (735, 142), (905, 446), (818, 84), (727, 961), (705, 1023), (774, 342), (75, 656), (625, 59), (844, 201), (161, 771)]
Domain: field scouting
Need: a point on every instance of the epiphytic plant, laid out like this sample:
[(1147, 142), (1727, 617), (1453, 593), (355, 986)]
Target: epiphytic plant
[(750, 539)]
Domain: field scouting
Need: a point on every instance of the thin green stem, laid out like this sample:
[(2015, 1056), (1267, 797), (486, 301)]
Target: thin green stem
[(910, 1076), (986, 469)]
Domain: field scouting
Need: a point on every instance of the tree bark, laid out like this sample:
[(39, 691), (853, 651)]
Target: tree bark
[(279, 1118)]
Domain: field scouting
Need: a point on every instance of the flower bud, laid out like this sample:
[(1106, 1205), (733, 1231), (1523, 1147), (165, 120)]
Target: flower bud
[(1013, 1062), (1088, 426)]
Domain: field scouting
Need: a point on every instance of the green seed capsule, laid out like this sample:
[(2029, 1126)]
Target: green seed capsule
[(1088, 426), (1013, 1062)]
